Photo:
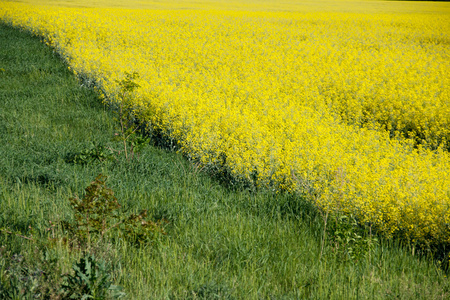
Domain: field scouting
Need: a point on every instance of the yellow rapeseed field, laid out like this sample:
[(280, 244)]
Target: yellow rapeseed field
[(344, 101)]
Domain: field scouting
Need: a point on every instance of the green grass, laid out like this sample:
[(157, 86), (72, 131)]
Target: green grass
[(221, 243)]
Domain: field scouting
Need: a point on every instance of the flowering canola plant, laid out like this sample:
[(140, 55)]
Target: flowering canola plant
[(350, 109)]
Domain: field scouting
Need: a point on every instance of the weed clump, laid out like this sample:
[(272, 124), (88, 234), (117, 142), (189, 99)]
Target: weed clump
[(98, 217)]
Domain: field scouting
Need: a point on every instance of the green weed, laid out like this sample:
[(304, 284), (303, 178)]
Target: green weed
[(91, 280), (349, 241), (129, 126), (96, 153)]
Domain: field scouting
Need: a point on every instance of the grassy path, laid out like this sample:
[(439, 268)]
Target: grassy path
[(220, 243)]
